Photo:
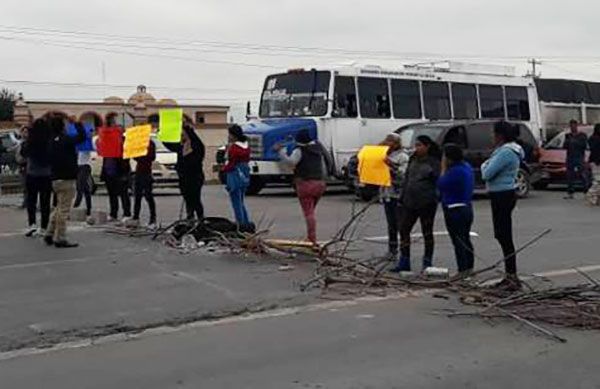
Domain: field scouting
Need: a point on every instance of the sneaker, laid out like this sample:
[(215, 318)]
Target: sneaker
[(30, 231), (40, 232), (131, 223), (111, 220), (510, 283), (403, 265), (427, 262), (90, 221), (152, 227), (49, 240), (63, 244)]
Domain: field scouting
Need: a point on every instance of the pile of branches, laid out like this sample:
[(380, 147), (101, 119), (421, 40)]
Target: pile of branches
[(565, 306)]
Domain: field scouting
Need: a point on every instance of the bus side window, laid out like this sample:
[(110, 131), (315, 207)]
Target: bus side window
[(344, 100), (437, 100), (464, 99), (374, 98), (406, 99), (517, 103), (492, 101)]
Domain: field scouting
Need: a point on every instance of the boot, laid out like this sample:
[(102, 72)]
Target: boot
[(49, 240), (403, 265)]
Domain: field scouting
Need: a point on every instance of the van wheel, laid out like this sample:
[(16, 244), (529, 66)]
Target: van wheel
[(256, 185), (523, 184)]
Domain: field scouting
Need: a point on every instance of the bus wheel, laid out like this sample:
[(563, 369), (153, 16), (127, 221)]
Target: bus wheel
[(256, 185)]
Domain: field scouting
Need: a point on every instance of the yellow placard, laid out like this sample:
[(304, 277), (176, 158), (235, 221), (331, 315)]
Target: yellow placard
[(137, 140), (170, 125), (372, 169)]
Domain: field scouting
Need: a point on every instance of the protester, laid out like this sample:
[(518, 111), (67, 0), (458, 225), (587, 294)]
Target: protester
[(35, 151), (22, 165), (63, 161), (576, 145), (237, 174), (84, 183), (143, 186), (593, 194), (500, 174), (419, 200), (397, 160), (190, 159), (116, 175), (311, 164), (456, 186)]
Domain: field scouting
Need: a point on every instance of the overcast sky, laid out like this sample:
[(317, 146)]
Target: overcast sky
[(564, 34)]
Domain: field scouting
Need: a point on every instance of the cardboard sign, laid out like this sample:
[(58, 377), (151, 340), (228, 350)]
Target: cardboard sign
[(87, 144), (170, 125), (372, 169), (137, 140), (110, 142)]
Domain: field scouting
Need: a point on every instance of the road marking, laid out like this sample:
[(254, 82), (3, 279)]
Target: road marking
[(384, 239), (20, 233), (165, 330)]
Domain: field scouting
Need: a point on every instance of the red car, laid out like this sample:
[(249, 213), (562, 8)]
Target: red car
[(554, 160)]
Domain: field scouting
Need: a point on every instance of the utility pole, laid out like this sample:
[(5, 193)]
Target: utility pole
[(534, 63)]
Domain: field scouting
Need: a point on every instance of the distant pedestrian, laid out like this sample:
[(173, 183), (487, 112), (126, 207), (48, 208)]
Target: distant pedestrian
[(576, 145), (143, 186), (419, 200), (456, 186), (84, 183), (311, 164), (500, 174), (35, 150), (190, 170), (593, 194), (22, 165), (237, 173), (397, 160), (63, 160)]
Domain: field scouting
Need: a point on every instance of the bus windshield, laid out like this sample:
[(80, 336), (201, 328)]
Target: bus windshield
[(295, 94)]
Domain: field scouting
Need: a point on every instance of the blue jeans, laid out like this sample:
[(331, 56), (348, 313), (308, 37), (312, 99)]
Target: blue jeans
[(459, 221), (237, 197)]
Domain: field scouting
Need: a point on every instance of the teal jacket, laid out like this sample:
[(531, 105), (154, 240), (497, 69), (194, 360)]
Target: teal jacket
[(500, 171)]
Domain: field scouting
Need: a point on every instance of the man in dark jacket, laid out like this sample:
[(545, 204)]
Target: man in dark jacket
[(63, 161), (576, 145), (593, 194)]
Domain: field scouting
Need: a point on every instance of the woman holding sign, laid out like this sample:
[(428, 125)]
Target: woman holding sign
[(190, 159)]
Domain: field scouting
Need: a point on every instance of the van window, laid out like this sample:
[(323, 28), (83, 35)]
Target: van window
[(437, 100), (480, 136), (406, 99), (517, 103), (374, 98), (344, 100), (464, 99), (457, 136), (492, 101)]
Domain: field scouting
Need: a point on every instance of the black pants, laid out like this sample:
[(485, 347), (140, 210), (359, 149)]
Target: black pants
[(393, 217), (191, 190), (84, 188), (42, 187), (143, 186), (409, 218), (459, 221), (503, 204), (118, 188)]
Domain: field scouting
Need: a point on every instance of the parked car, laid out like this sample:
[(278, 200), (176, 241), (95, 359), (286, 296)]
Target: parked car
[(477, 139), (553, 160), (9, 141)]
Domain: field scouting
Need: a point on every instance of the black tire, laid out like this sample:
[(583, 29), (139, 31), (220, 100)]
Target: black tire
[(367, 193), (523, 184), (540, 186), (256, 185)]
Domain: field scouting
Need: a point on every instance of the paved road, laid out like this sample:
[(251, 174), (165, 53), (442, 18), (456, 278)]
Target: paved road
[(388, 344), (114, 284)]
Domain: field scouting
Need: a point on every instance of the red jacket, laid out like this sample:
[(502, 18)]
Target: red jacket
[(236, 153)]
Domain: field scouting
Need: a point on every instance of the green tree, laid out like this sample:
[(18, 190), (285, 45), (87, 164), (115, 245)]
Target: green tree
[(7, 105)]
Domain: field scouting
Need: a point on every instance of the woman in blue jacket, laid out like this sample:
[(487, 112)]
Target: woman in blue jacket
[(500, 174), (456, 190)]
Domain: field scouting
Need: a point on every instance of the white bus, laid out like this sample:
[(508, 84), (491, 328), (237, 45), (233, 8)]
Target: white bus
[(347, 107)]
